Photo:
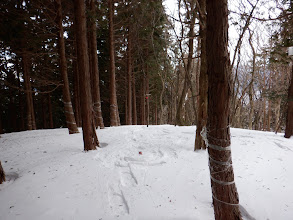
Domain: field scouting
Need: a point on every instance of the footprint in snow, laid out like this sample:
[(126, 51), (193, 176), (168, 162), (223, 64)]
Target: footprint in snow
[(282, 146), (127, 177), (117, 202)]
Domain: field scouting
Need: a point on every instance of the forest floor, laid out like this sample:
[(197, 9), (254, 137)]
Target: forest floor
[(139, 173)]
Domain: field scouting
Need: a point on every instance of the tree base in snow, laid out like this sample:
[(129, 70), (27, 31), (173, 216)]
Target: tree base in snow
[(2, 174)]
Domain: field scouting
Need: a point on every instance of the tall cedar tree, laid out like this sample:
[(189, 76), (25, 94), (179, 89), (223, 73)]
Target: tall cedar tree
[(114, 113), (129, 79), (31, 121), (88, 129), (203, 79), (287, 33), (289, 121), (191, 15), (68, 110), (94, 68), (224, 192)]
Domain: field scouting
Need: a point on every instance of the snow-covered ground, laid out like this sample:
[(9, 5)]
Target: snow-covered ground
[(144, 173)]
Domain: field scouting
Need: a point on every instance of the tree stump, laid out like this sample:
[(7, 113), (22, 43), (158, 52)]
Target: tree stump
[(2, 174)]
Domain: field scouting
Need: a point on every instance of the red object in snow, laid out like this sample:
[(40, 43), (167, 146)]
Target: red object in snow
[(140, 152)]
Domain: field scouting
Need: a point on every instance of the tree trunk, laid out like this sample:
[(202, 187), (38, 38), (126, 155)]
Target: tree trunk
[(289, 119), (264, 125), (31, 124), (134, 109), (251, 109), (264, 100), (76, 95), (191, 15), (161, 99), (51, 123), (68, 110), (113, 97), (129, 80), (147, 98), (20, 101), (238, 117), (277, 114), (1, 127), (171, 106), (180, 104), (142, 103), (269, 103), (44, 112), (2, 174), (95, 79), (224, 192), (33, 110), (203, 81), (89, 134), (269, 115), (156, 113)]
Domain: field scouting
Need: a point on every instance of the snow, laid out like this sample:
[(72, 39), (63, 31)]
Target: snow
[(51, 177)]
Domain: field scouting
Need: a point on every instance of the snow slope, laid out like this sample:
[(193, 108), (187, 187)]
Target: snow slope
[(50, 177)]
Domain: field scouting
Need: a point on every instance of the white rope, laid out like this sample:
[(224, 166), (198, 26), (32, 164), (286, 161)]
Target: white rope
[(219, 148), (224, 183), (224, 163), (227, 163), (226, 203)]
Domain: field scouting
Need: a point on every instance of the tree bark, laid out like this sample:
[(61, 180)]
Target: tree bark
[(156, 113), (76, 95), (1, 127), (269, 115), (269, 102), (51, 122), (224, 192), (114, 114), (2, 174), (95, 79), (89, 134), (31, 123), (134, 108), (277, 113), (203, 81), (264, 100), (264, 114), (68, 109), (187, 69), (250, 93), (289, 119), (20, 101), (161, 100), (180, 104), (147, 98), (129, 79), (44, 112), (142, 103), (33, 111)]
